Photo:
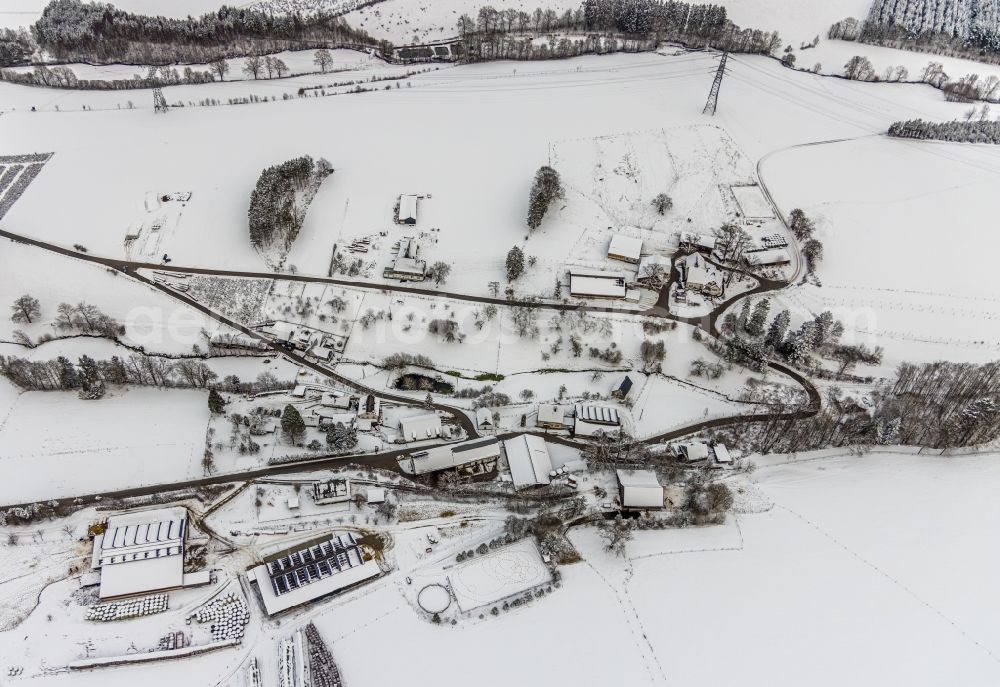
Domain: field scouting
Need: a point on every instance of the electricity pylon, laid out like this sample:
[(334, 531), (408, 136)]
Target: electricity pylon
[(713, 95)]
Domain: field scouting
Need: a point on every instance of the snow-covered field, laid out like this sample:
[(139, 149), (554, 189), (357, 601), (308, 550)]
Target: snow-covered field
[(906, 255), (58, 445)]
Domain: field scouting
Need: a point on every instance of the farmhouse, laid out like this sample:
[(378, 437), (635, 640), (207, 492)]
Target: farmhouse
[(331, 491), (622, 389), (407, 266), (591, 284), (528, 460), (550, 417), (143, 552), (310, 570), (768, 258), (475, 457), (590, 420), (407, 209), (699, 275), (420, 427), (639, 489), (625, 249), (370, 408), (689, 240)]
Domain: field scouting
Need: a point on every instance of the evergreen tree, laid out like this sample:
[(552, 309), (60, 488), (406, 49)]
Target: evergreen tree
[(515, 263), (216, 404), (68, 377), (744, 318), (292, 424), (755, 326), (546, 188), (776, 332)]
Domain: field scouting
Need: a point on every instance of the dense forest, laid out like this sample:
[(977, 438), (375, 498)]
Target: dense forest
[(279, 202), (73, 30), (963, 28), (972, 131)]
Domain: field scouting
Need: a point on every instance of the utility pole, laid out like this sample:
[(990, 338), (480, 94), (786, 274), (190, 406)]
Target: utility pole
[(713, 95), (159, 102)]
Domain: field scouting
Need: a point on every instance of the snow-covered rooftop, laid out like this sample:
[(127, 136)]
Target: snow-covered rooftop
[(420, 427), (528, 459), (597, 284), (640, 489), (550, 414), (597, 414), (408, 209), (625, 247), (762, 258), (142, 552)]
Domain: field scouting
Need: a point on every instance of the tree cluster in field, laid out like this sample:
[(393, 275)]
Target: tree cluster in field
[(968, 88), (803, 227), (747, 342), (138, 369), (82, 318), (398, 361), (546, 188), (280, 199), (972, 131), (16, 47), (74, 30)]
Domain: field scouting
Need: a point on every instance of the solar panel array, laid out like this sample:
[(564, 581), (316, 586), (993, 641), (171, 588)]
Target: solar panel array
[(305, 566)]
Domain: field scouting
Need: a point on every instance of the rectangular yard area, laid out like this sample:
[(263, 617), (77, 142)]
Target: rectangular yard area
[(58, 445), (498, 575)]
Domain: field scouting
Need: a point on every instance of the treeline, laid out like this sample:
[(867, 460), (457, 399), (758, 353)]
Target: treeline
[(139, 369), (938, 405), (276, 208), (73, 30), (610, 26), (958, 28), (64, 77), (978, 131)]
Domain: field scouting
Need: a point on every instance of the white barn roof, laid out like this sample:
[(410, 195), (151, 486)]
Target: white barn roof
[(484, 418), (528, 459), (694, 450), (551, 414), (722, 454), (762, 258), (640, 489), (597, 284), (408, 209), (142, 552), (420, 427), (625, 247)]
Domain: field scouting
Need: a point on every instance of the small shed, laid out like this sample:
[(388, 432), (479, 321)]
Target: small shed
[(484, 419), (293, 503), (692, 451), (722, 455), (375, 495), (622, 390)]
